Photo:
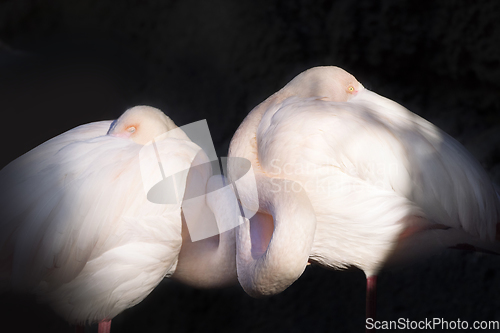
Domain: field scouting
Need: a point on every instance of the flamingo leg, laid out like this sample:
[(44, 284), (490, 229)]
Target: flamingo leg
[(371, 299), (104, 326), (80, 329)]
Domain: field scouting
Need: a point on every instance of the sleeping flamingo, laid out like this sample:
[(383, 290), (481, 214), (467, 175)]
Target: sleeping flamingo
[(77, 228), (346, 177)]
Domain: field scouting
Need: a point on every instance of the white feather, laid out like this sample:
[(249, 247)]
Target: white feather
[(373, 172), (364, 169), (77, 227)]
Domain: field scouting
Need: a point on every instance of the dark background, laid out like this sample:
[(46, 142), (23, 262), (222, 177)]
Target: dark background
[(65, 63)]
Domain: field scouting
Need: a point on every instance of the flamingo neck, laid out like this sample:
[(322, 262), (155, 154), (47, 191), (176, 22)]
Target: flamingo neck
[(273, 247), (207, 263)]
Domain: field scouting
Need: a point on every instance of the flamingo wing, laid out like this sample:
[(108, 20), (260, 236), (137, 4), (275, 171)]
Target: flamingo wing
[(77, 225), (381, 151)]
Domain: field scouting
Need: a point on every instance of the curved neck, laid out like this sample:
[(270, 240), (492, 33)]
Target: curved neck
[(207, 263), (273, 247)]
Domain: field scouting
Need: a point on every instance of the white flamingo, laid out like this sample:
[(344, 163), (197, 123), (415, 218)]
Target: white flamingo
[(346, 177), (77, 227)]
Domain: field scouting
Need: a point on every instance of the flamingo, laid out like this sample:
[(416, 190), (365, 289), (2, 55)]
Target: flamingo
[(346, 177), (77, 228)]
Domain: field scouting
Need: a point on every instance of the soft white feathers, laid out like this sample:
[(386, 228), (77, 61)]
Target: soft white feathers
[(365, 171), (373, 171), (77, 227), (445, 179), (344, 164)]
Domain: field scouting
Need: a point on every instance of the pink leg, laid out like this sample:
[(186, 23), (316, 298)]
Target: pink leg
[(371, 299), (80, 329), (104, 326)]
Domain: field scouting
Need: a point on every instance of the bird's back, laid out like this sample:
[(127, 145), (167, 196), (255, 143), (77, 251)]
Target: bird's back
[(366, 167), (77, 226)]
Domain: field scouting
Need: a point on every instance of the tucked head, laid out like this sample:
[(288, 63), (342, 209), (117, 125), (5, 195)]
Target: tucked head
[(141, 124), (331, 83)]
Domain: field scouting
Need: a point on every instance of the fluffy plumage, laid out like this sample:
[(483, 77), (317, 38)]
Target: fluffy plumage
[(76, 225), (375, 174)]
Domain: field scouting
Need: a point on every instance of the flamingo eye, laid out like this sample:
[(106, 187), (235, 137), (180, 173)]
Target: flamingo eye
[(131, 129), (350, 89)]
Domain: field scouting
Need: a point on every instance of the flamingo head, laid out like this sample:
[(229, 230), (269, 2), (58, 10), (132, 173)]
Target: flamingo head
[(328, 82), (141, 124)]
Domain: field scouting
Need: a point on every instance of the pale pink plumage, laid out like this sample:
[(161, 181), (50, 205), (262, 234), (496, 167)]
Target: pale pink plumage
[(375, 176), (77, 228)]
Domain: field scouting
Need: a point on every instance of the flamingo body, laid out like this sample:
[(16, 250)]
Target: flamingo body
[(77, 227), (367, 173), (380, 181)]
